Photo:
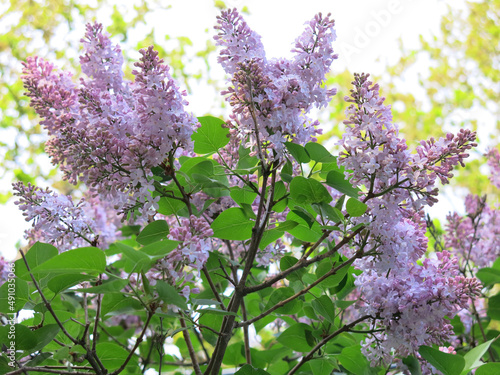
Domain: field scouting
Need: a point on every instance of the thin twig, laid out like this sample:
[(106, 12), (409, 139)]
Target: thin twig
[(310, 355), (189, 344)]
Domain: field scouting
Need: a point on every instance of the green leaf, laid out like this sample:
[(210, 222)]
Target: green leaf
[(331, 213), (282, 294), (153, 232), (304, 215), (488, 276), (36, 255), (308, 190), (113, 355), (473, 357), (242, 195), (109, 286), (23, 337), (269, 237), (134, 255), (169, 206), (249, 370), (233, 224), (169, 295), (321, 366), (355, 208), (494, 307), (234, 354), (302, 231), (354, 361), (325, 266), (337, 181), (298, 337), (489, 369), (324, 306), (246, 161), (118, 303), (160, 249), (62, 282), (319, 153), (288, 261), (44, 336), (211, 136), (287, 225), (413, 365), (84, 259), (128, 230), (214, 311), (298, 152), (14, 294), (448, 364), (287, 171)]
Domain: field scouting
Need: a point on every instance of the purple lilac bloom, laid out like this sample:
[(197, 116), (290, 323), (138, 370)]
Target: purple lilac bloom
[(109, 132), (494, 163), (271, 98), (408, 300), (474, 237)]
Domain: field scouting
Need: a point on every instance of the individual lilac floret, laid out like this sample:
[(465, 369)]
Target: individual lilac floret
[(109, 133), (271, 99)]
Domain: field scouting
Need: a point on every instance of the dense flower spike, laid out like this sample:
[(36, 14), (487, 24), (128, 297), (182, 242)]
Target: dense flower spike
[(494, 163), (59, 221), (474, 237), (410, 301), (271, 99), (110, 132)]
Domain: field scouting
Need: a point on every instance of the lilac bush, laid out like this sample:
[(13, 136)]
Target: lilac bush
[(243, 241)]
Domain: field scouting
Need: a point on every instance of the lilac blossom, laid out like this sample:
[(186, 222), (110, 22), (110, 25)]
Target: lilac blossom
[(195, 244), (109, 132), (408, 300), (271, 98), (59, 221), (474, 237), (494, 162)]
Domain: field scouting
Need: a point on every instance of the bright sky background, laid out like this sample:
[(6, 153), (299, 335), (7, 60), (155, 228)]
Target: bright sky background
[(367, 39)]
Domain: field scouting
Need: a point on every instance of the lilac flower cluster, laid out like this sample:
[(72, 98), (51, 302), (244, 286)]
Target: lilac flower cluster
[(408, 300), (494, 163), (109, 133), (195, 244), (271, 98), (59, 221), (474, 237)]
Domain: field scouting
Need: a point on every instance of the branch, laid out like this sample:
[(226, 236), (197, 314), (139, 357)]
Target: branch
[(302, 292), (46, 302), (303, 262), (309, 355), (189, 344), (137, 342)]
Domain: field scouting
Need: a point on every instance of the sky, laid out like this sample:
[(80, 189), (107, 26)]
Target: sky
[(368, 32)]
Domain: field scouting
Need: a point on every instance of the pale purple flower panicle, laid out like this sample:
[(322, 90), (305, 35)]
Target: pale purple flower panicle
[(195, 244), (474, 237), (271, 98), (59, 221), (110, 132), (494, 163), (408, 300)]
